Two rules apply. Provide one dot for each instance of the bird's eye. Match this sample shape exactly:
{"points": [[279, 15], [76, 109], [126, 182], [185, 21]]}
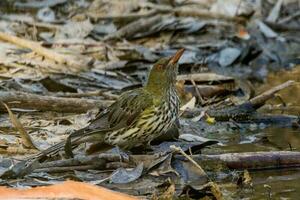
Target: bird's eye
{"points": [[159, 67]]}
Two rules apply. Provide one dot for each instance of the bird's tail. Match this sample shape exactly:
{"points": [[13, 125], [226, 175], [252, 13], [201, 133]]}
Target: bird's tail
{"points": [[83, 135], [73, 140]]}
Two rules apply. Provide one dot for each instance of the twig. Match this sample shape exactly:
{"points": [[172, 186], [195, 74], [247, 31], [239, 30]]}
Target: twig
{"points": [[179, 150]]}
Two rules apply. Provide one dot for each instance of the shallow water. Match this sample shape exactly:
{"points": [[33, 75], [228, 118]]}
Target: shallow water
{"points": [[284, 183], [277, 184], [268, 184]]}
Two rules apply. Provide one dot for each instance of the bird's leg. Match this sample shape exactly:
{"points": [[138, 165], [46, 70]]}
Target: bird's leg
{"points": [[123, 155], [148, 146]]}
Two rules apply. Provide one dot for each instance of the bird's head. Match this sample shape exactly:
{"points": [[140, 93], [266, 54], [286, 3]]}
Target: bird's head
{"points": [[163, 73]]}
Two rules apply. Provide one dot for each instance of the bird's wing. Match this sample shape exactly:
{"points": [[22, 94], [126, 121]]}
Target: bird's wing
{"points": [[129, 106], [122, 112]]}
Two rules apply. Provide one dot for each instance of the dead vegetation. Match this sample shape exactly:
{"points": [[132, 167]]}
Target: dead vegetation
{"points": [[63, 61]]}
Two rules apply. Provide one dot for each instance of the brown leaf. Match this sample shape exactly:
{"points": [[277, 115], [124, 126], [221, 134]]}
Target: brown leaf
{"points": [[65, 190], [26, 140]]}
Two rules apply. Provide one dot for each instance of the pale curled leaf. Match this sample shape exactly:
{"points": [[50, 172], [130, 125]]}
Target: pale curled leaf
{"points": [[189, 105], [26, 140]]}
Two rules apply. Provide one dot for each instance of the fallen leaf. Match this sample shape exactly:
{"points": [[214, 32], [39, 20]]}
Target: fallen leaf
{"points": [[26, 140], [66, 190], [122, 175], [199, 117]]}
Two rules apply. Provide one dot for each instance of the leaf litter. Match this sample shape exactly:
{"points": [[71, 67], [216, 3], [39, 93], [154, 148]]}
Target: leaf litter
{"points": [[84, 54]]}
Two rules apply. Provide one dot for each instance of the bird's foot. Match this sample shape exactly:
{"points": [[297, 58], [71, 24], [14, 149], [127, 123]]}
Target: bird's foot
{"points": [[148, 147], [124, 156]]}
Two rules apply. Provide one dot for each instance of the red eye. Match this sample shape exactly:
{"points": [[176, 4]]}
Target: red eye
{"points": [[159, 67]]}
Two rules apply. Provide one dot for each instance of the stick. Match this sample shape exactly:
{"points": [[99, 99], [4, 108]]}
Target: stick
{"points": [[202, 102], [50, 54], [260, 100], [239, 161], [47, 103], [254, 160], [248, 160]]}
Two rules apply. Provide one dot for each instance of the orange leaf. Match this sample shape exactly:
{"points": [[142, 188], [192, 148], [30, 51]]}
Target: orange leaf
{"points": [[66, 190]]}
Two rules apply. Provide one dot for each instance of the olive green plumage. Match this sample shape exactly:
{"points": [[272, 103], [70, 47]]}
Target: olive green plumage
{"points": [[138, 116]]}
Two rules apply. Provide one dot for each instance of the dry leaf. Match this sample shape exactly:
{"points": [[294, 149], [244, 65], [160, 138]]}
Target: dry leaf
{"points": [[247, 178], [26, 140], [65, 190]]}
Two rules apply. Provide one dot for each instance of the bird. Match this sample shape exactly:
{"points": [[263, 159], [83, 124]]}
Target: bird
{"points": [[137, 117]]}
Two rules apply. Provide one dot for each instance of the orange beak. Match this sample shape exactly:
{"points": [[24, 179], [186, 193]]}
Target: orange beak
{"points": [[176, 57]]}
